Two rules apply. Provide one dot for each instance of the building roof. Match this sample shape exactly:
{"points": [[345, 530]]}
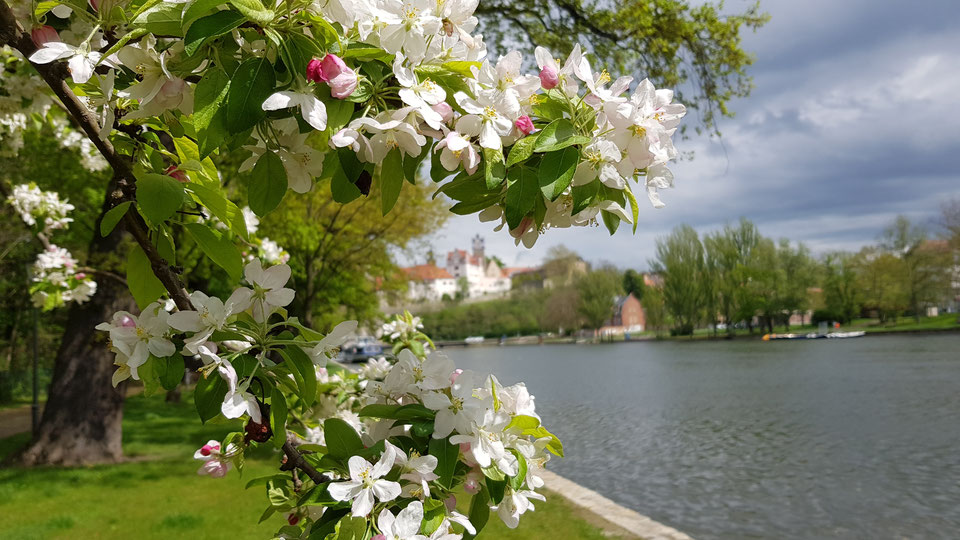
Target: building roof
{"points": [[426, 272], [462, 254], [510, 271]]}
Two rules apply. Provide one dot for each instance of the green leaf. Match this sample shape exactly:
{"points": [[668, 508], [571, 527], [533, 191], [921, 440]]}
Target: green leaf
{"points": [[462, 68], [479, 512], [413, 411], [584, 195], [497, 488], [208, 113], [304, 374], [447, 455], [216, 201], [251, 84], [218, 247], [170, 370], [208, 396], [494, 171], [521, 195], [342, 439], [162, 19], [267, 184], [341, 188], [199, 8], [522, 150], [523, 422], [351, 528], [516, 481], [158, 196], [558, 134], [465, 208], [208, 27], [634, 207], [411, 164], [437, 172], [254, 11], [143, 284], [610, 220], [278, 414], [556, 171], [112, 217], [391, 180], [149, 376]]}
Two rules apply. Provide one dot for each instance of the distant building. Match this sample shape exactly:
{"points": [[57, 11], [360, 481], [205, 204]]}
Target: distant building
{"points": [[429, 282], [628, 316], [482, 276]]}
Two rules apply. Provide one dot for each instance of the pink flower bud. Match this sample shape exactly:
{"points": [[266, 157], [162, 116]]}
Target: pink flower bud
{"points": [[549, 78], [465, 448], [330, 67], [43, 34], [293, 519], [127, 322], [451, 503], [444, 110], [343, 85], [95, 4], [379, 537], [175, 173], [313, 70], [206, 450], [524, 124], [453, 376], [81, 275], [471, 484]]}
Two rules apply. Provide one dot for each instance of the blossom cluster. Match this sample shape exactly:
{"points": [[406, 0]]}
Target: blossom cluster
{"points": [[55, 280], [36, 206], [392, 83], [397, 441]]}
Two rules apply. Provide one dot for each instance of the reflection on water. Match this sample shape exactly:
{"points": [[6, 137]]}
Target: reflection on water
{"points": [[855, 438]]}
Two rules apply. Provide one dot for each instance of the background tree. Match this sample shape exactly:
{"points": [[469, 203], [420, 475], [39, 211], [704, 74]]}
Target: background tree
{"points": [[841, 291], [696, 49], [561, 266], [679, 260], [560, 311], [654, 310], [925, 264], [342, 255], [596, 291], [728, 253], [633, 283]]}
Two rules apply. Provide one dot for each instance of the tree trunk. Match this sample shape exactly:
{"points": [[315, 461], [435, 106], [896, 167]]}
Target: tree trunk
{"points": [[81, 422]]}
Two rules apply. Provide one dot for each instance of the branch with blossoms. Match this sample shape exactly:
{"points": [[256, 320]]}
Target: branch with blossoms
{"points": [[55, 277]]}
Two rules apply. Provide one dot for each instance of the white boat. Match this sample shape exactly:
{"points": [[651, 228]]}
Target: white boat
{"points": [[474, 340], [858, 333]]}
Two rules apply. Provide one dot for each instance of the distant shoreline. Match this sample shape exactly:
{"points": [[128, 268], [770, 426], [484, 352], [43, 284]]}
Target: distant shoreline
{"points": [[527, 341]]}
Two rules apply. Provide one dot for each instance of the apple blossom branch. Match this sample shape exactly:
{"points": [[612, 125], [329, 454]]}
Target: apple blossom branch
{"points": [[55, 75]]}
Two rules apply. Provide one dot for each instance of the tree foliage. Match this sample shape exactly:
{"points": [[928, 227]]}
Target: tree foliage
{"points": [[696, 49]]}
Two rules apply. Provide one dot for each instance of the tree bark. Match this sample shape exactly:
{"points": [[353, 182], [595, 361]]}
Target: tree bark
{"points": [[81, 422]]}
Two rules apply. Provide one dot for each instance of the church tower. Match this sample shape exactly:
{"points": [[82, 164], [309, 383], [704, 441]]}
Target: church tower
{"points": [[478, 249]]}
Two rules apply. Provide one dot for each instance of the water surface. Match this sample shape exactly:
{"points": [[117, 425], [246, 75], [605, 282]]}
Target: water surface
{"points": [[856, 438]]}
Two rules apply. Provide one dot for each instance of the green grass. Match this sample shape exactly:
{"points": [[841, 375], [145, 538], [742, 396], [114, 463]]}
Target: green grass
{"points": [[158, 495]]}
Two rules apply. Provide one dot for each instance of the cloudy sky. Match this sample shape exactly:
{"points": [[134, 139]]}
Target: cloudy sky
{"points": [[855, 118]]}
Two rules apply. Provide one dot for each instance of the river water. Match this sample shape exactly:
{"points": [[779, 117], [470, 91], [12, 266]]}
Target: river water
{"points": [[855, 438]]}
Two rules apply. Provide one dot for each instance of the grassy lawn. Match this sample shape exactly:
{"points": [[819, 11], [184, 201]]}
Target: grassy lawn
{"points": [[159, 495]]}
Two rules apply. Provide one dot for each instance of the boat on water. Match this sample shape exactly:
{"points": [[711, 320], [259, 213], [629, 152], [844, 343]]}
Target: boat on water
{"points": [[815, 335], [360, 349], [474, 340]]}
